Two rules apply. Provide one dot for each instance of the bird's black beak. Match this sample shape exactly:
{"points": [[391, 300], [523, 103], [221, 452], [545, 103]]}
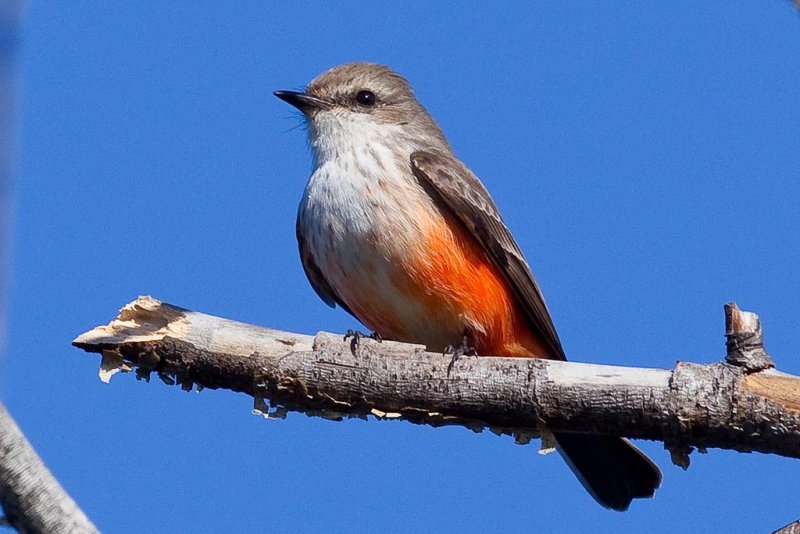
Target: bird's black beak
{"points": [[302, 101]]}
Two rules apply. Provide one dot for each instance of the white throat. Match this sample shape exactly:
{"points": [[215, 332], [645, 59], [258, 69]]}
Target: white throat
{"points": [[335, 134]]}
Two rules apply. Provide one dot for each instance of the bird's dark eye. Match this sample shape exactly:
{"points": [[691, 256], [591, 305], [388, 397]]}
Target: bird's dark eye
{"points": [[366, 98]]}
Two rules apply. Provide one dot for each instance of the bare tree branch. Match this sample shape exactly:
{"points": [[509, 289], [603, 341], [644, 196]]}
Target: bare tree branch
{"points": [[32, 498], [741, 404], [791, 528]]}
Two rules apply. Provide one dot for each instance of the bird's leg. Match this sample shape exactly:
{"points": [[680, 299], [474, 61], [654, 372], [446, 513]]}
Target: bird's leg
{"points": [[464, 349], [357, 335]]}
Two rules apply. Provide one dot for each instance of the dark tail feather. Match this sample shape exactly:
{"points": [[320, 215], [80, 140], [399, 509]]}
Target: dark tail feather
{"points": [[612, 470]]}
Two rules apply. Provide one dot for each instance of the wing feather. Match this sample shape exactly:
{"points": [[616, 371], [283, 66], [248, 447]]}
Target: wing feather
{"points": [[452, 184]]}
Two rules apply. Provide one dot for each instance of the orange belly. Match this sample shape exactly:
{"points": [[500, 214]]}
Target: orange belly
{"points": [[450, 279]]}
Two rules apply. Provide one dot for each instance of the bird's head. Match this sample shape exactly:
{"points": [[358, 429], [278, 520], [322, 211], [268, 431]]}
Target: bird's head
{"points": [[359, 103]]}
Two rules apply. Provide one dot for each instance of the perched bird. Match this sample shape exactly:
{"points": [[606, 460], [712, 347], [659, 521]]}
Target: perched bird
{"points": [[396, 230]]}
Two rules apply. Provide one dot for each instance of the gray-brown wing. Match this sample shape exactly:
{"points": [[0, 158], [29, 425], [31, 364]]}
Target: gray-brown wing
{"points": [[315, 276], [452, 184]]}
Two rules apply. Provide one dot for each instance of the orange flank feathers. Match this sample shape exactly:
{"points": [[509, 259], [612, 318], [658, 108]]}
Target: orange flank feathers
{"points": [[452, 268], [459, 289]]}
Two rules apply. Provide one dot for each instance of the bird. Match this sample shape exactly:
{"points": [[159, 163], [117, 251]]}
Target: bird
{"points": [[396, 230]]}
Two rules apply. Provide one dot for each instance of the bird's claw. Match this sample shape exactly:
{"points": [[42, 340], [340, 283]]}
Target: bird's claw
{"points": [[465, 349], [355, 337]]}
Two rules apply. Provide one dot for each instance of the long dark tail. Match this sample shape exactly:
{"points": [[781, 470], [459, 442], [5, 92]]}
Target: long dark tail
{"points": [[611, 469]]}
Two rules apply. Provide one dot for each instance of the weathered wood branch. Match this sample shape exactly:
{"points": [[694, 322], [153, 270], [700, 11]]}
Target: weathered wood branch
{"points": [[791, 528], [741, 404], [33, 500]]}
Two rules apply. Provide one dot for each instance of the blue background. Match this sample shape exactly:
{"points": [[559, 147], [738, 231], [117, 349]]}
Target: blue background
{"points": [[645, 155]]}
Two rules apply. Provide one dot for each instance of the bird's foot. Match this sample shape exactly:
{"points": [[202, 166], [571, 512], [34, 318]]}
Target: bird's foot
{"points": [[464, 349], [355, 337]]}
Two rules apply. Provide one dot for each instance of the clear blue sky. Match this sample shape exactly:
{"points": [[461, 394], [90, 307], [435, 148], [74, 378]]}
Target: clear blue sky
{"points": [[645, 155]]}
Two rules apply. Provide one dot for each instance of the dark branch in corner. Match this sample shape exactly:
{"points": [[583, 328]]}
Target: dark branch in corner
{"points": [[32, 498]]}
